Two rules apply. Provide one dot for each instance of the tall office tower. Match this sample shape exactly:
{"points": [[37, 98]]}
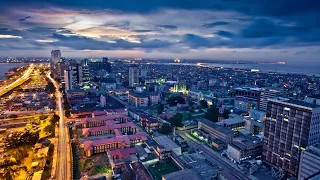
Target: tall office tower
{"points": [[55, 58], [106, 64], [77, 75], [133, 76], [310, 162], [68, 78], [290, 127], [264, 96], [85, 71]]}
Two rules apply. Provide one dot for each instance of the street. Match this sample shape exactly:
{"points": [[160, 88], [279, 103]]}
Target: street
{"points": [[63, 157], [17, 82], [211, 155]]}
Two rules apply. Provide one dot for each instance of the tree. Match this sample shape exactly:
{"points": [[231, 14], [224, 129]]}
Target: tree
{"points": [[204, 103], [191, 103], [54, 119], [212, 114], [160, 108], [165, 129], [174, 100], [226, 114], [10, 169], [176, 120], [43, 117], [50, 87]]}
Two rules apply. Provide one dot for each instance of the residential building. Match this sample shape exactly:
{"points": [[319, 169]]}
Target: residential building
{"points": [[242, 103], [290, 127], [138, 99], [310, 162], [133, 76], [215, 131]]}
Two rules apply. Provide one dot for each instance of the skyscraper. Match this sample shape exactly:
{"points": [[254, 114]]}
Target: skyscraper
{"points": [[133, 76], [290, 127], [55, 58], [68, 79]]}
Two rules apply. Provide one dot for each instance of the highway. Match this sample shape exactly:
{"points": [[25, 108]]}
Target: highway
{"points": [[212, 156], [17, 82], [63, 157]]}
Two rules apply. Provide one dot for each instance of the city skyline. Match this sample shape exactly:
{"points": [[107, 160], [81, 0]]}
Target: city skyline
{"points": [[221, 30]]}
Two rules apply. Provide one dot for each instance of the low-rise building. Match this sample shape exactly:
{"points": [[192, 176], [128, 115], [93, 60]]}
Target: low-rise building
{"points": [[168, 145], [138, 99], [215, 131], [245, 147]]}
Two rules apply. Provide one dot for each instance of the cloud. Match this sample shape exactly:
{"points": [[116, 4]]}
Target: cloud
{"points": [[214, 24], [224, 33], [84, 43], [166, 26], [5, 36], [25, 18]]}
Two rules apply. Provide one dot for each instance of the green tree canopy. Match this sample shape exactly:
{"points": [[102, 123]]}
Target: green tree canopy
{"points": [[176, 120], [174, 100], [165, 129], [212, 114], [204, 103]]}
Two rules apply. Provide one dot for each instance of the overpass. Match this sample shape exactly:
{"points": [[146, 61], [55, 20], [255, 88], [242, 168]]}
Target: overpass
{"points": [[17, 82]]}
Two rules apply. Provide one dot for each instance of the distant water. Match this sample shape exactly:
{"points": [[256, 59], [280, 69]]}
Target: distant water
{"points": [[307, 68], [4, 67]]}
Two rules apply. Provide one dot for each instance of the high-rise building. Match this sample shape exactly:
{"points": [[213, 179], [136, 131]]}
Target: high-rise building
{"points": [[101, 65], [290, 127], [68, 80], [133, 76], [310, 162], [143, 73], [264, 96], [55, 58], [85, 71]]}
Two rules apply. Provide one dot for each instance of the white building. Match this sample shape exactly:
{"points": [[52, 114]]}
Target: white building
{"points": [[68, 80]]}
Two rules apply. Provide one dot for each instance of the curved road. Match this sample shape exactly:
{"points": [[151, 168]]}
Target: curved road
{"points": [[17, 82]]}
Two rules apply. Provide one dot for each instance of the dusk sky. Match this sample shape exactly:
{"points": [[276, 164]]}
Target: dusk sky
{"points": [[282, 30]]}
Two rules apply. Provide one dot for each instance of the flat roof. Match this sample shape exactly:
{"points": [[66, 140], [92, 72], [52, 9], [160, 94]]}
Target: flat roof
{"points": [[295, 102], [181, 175], [166, 142], [200, 165], [233, 120], [215, 126]]}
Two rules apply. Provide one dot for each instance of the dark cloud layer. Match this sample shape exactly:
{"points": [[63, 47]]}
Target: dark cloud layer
{"points": [[254, 24]]}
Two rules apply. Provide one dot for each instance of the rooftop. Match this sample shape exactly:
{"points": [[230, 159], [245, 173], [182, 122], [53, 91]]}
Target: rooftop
{"points": [[295, 102], [181, 175], [167, 143], [215, 126]]}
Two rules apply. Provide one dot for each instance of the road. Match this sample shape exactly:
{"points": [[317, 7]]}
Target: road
{"points": [[211, 155], [17, 82], [63, 157]]}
